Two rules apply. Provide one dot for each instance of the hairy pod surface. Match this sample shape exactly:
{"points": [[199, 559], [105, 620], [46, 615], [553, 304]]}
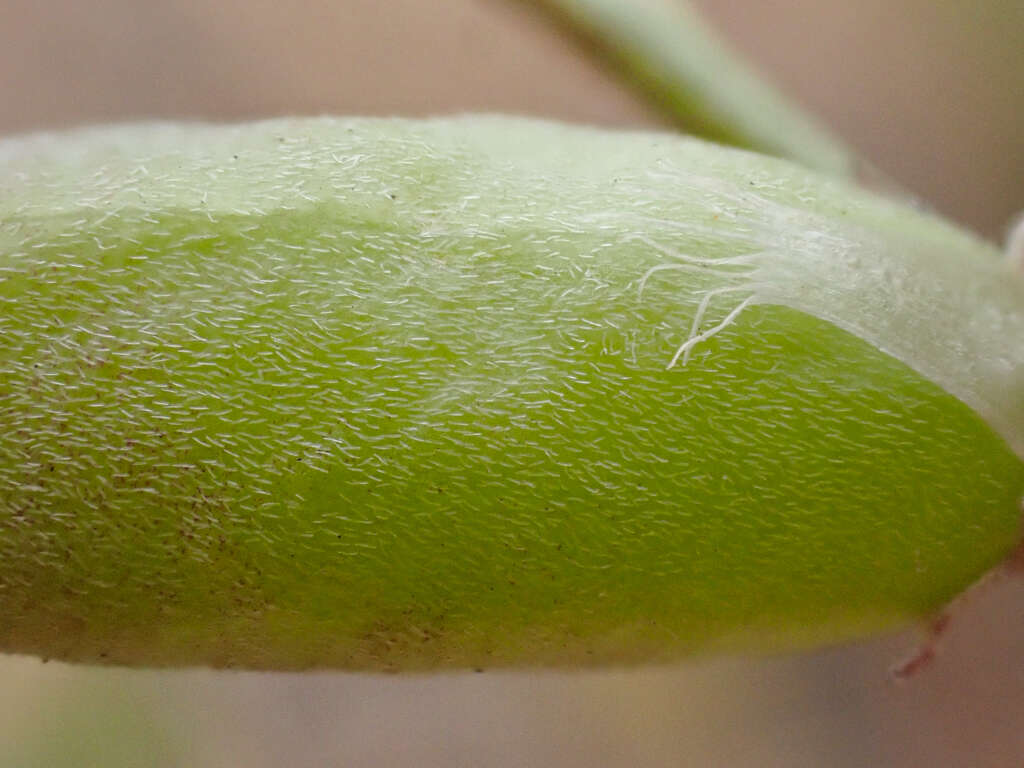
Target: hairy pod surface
{"points": [[382, 394]]}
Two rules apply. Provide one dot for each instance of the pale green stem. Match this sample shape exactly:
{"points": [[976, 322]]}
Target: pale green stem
{"points": [[698, 82]]}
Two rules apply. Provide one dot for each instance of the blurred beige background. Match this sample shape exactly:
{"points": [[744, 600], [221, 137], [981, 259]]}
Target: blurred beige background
{"points": [[931, 90]]}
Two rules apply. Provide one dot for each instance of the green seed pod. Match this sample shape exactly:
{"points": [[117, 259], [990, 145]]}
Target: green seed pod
{"points": [[381, 394]]}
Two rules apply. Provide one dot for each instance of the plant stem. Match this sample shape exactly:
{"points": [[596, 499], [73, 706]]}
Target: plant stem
{"points": [[694, 79]]}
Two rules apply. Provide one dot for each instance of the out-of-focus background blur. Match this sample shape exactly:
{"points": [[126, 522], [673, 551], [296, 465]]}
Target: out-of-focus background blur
{"points": [[932, 91]]}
